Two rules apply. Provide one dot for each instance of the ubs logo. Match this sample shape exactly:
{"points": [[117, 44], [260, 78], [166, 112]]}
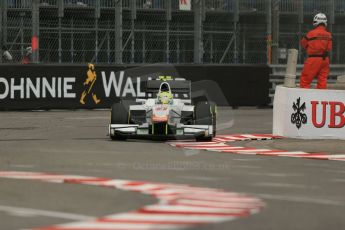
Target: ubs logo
{"points": [[88, 86], [299, 117]]}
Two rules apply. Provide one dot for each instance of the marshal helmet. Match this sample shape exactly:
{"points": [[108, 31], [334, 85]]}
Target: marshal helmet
{"points": [[319, 19]]}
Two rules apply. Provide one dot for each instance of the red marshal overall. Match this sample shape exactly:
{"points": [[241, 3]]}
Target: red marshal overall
{"points": [[318, 44]]}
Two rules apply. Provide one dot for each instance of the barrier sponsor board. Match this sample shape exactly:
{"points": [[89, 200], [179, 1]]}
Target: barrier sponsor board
{"points": [[309, 113], [99, 86]]}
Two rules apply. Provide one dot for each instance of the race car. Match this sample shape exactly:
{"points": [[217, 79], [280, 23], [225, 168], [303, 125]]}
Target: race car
{"points": [[167, 113]]}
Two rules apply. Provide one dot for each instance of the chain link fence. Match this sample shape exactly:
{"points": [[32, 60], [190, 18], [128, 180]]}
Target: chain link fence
{"points": [[79, 31]]}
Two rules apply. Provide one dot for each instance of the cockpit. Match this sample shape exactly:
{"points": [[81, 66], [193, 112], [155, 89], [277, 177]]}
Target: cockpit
{"points": [[165, 95]]}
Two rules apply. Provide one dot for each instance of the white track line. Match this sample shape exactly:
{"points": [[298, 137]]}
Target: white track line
{"points": [[37, 212]]}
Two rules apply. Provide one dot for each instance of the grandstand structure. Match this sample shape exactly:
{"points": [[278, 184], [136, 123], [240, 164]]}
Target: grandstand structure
{"points": [[157, 31]]}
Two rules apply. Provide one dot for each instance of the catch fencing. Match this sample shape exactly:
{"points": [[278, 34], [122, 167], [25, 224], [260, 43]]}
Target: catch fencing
{"points": [[157, 31]]}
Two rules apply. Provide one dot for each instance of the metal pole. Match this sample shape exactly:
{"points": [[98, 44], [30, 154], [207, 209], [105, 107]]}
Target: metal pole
{"points": [[132, 41], [236, 20], [96, 40], [97, 16], [331, 11], [60, 41], [198, 28], [269, 31], [168, 42], [72, 41], [331, 20], [133, 18], [168, 18], [22, 14], [235, 43], [4, 26], [35, 30], [178, 45], [108, 46], [275, 31], [338, 48], [144, 47], [300, 23], [118, 32], [244, 47], [211, 49], [60, 15], [1, 29], [4, 21]]}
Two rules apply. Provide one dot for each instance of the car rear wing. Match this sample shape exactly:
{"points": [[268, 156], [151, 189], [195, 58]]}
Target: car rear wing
{"points": [[181, 89]]}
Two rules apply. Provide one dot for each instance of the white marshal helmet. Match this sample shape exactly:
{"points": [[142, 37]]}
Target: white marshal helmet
{"points": [[320, 18]]}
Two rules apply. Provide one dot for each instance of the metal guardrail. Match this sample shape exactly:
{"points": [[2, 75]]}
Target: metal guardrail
{"points": [[278, 74]]}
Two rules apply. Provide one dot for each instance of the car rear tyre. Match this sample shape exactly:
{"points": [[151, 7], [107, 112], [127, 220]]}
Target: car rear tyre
{"points": [[205, 115], [119, 115]]}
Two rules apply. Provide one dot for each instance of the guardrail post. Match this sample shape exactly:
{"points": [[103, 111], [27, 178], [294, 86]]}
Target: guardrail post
{"points": [[290, 75], [269, 30], [118, 31], [236, 30], [133, 18], [35, 30], [97, 16], [168, 19], [331, 19], [60, 16], [198, 29], [275, 30], [300, 24]]}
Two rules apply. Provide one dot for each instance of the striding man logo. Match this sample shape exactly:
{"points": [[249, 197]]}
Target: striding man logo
{"points": [[88, 85]]}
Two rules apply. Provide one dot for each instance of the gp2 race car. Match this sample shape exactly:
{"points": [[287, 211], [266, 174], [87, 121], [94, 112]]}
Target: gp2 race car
{"points": [[164, 116]]}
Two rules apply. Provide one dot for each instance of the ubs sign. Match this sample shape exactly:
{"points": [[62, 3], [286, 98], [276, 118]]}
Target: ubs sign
{"points": [[328, 113], [323, 114], [309, 114]]}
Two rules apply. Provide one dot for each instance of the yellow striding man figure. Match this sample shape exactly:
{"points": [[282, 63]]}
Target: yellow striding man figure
{"points": [[89, 82]]}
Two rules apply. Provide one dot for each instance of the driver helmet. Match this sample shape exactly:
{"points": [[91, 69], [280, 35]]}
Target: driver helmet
{"points": [[165, 96]]}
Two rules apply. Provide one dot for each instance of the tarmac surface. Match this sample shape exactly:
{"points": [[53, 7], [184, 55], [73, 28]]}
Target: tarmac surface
{"points": [[298, 193]]}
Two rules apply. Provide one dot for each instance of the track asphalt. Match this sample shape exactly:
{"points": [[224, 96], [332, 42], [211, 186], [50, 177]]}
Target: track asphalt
{"points": [[298, 193]]}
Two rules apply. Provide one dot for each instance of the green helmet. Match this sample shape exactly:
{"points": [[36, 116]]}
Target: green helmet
{"points": [[165, 97]]}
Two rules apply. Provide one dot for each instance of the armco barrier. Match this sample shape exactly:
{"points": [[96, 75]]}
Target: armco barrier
{"points": [[73, 86]]}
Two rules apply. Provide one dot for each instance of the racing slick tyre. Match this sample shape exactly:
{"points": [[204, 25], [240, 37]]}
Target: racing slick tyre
{"points": [[214, 117], [204, 113], [119, 115]]}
